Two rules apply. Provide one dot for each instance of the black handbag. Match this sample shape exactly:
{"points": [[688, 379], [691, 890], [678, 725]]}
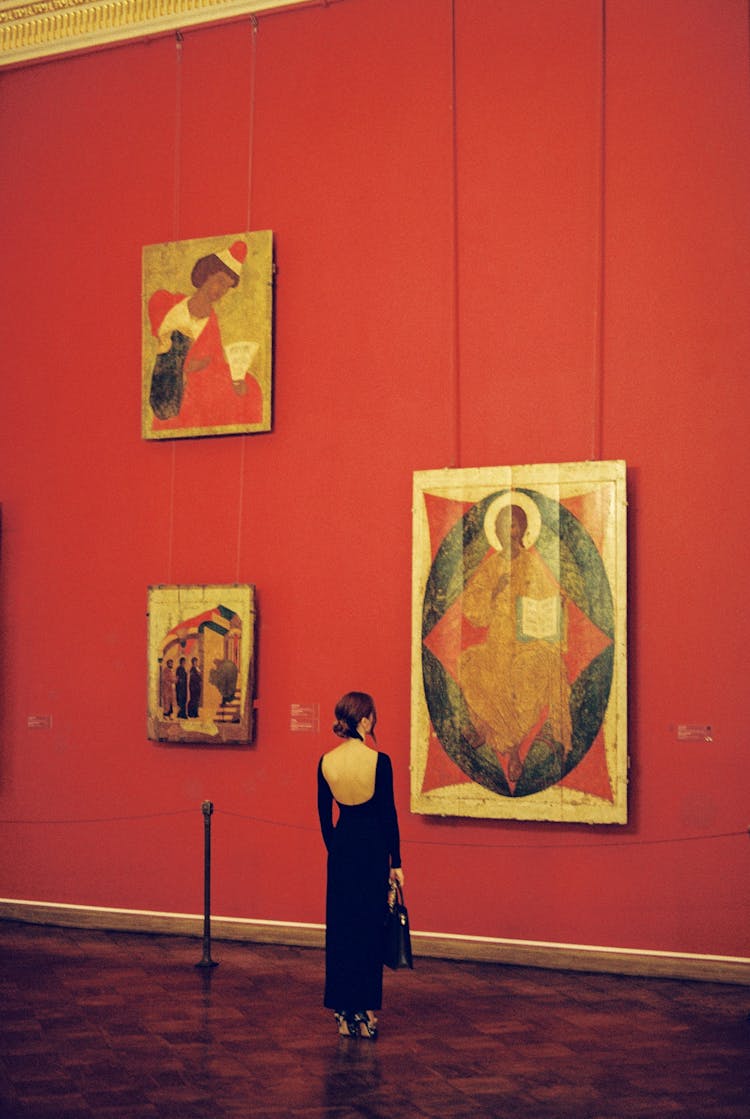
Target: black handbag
{"points": [[397, 938]]}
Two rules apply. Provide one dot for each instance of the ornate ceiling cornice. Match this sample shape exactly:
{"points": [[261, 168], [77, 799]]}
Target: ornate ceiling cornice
{"points": [[34, 29]]}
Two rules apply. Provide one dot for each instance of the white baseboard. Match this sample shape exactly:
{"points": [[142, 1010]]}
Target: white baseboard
{"points": [[562, 957]]}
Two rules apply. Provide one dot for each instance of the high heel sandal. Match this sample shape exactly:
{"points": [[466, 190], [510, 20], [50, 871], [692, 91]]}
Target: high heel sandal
{"points": [[366, 1026], [345, 1024]]}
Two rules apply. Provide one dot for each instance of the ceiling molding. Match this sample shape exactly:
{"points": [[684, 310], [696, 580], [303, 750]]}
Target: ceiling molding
{"points": [[37, 29]]}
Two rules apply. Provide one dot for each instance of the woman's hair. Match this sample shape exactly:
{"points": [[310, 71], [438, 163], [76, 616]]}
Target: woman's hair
{"points": [[206, 267], [349, 710]]}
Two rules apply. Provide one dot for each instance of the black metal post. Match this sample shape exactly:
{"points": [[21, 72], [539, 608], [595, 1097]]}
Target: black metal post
{"points": [[207, 808]]}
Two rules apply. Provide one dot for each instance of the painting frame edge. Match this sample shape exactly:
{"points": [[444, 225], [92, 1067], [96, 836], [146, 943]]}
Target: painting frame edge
{"points": [[466, 798], [260, 241], [238, 599]]}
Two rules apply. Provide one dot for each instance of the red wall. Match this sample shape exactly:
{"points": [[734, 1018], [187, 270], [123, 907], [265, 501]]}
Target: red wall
{"points": [[558, 273]]}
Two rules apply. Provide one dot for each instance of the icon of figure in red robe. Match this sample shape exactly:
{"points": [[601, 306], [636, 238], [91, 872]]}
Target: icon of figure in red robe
{"points": [[194, 383]]}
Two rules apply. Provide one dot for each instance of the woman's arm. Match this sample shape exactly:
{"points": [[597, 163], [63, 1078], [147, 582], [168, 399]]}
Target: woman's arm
{"points": [[388, 816], [325, 807]]}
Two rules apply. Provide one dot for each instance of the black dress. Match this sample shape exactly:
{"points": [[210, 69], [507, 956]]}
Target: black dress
{"points": [[362, 847]]}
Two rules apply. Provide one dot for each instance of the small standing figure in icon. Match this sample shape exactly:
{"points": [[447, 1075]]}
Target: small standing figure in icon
{"points": [[195, 689], [181, 689], [167, 689]]}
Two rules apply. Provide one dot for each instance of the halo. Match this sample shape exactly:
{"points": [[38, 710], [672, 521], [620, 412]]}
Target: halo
{"points": [[530, 508]]}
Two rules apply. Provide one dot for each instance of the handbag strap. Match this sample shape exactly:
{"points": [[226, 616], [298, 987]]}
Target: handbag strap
{"points": [[395, 895]]}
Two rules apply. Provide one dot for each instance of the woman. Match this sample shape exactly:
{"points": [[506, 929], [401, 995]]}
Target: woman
{"points": [[363, 855], [191, 383]]}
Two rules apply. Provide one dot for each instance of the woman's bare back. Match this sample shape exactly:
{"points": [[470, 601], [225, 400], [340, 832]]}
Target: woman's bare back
{"points": [[349, 770]]}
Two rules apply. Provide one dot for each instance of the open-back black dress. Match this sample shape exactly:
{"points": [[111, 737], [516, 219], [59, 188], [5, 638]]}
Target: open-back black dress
{"points": [[362, 846]]}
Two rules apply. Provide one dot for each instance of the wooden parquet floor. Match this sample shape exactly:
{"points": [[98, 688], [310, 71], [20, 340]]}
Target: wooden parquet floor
{"points": [[125, 1026]]}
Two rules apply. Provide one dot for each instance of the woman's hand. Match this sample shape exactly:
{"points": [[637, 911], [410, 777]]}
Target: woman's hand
{"points": [[397, 875]]}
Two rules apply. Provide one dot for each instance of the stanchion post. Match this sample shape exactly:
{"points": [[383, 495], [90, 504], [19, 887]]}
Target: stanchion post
{"points": [[207, 809]]}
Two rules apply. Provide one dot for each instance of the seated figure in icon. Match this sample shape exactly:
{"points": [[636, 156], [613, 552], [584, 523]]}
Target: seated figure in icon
{"points": [[514, 681]]}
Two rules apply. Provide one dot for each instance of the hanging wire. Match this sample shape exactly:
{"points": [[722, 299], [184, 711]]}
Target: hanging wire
{"points": [[170, 529], [289, 825], [599, 248], [579, 846], [177, 136], [251, 136], [175, 236], [107, 819], [240, 505], [250, 159], [454, 393], [508, 846]]}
